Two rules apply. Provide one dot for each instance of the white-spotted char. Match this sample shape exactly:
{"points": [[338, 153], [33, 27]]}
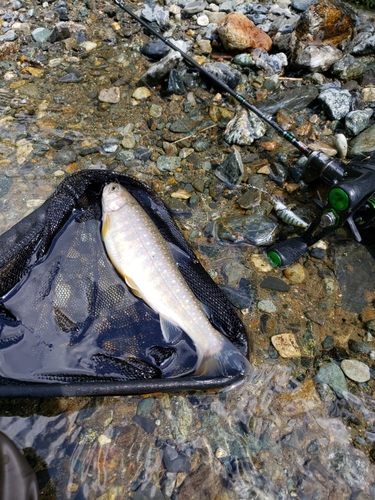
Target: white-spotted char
{"points": [[145, 260]]}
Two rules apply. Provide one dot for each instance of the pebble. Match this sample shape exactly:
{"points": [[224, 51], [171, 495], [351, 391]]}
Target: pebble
{"points": [[141, 93], [273, 283], [359, 347], [175, 461], [168, 163], [267, 306], [128, 141], [155, 50], [328, 342], [332, 375], [111, 95], [295, 273], [5, 184], [203, 20], [89, 46], [41, 35], [356, 370], [286, 345], [261, 263]]}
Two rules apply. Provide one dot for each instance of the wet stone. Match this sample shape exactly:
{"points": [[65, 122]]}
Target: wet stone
{"points": [[294, 99], [231, 170], [359, 347], [70, 78], [175, 461], [286, 345], [337, 103], [250, 199], [332, 375], [244, 128], [175, 83], [267, 306], [65, 156], [5, 184], [111, 95], [147, 492], [224, 73], [328, 342], [161, 69], [356, 370], [59, 33], [147, 424], [168, 163], [41, 35], [155, 50], [273, 283], [254, 229], [364, 142]]}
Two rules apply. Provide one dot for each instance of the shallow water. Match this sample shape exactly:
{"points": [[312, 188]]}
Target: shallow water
{"points": [[277, 435]]}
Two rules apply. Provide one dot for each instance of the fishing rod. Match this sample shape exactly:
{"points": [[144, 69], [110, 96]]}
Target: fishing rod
{"points": [[351, 198]]}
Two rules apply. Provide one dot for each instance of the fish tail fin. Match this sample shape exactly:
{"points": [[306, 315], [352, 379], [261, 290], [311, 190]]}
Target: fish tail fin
{"points": [[228, 362]]}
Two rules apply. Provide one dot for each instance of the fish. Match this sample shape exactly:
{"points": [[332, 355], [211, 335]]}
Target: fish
{"points": [[147, 263]]}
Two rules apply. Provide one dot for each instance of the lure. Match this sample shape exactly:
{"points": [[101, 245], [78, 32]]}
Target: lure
{"points": [[286, 215], [283, 212]]}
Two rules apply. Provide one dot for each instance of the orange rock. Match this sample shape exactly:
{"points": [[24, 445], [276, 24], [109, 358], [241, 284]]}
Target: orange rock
{"points": [[269, 145], [326, 22], [238, 33]]}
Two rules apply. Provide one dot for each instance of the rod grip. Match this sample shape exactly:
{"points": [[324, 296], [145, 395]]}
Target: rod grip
{"points": [[286, 252]]}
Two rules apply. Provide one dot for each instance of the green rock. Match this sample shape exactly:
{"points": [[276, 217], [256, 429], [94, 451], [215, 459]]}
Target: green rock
{"points": [[333, 376]]}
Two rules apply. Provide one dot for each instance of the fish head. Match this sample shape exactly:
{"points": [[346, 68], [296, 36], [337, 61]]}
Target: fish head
{"points": [[115, 197]]}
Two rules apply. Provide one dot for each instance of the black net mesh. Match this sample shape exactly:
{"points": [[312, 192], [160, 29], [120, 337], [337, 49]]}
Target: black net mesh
{"points": [[65, 314]]}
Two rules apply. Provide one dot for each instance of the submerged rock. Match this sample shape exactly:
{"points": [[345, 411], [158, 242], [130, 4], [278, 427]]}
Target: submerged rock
{"points": [[252, 229], [238, 33], [231, 170], [244, 128], [332, 375], [294, 99], [356, 370], [286, 345]]}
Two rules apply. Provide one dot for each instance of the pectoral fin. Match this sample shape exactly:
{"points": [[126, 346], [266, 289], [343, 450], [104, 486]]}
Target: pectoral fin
{"points": [[133, 287], [171, 332], [105, 226]]}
